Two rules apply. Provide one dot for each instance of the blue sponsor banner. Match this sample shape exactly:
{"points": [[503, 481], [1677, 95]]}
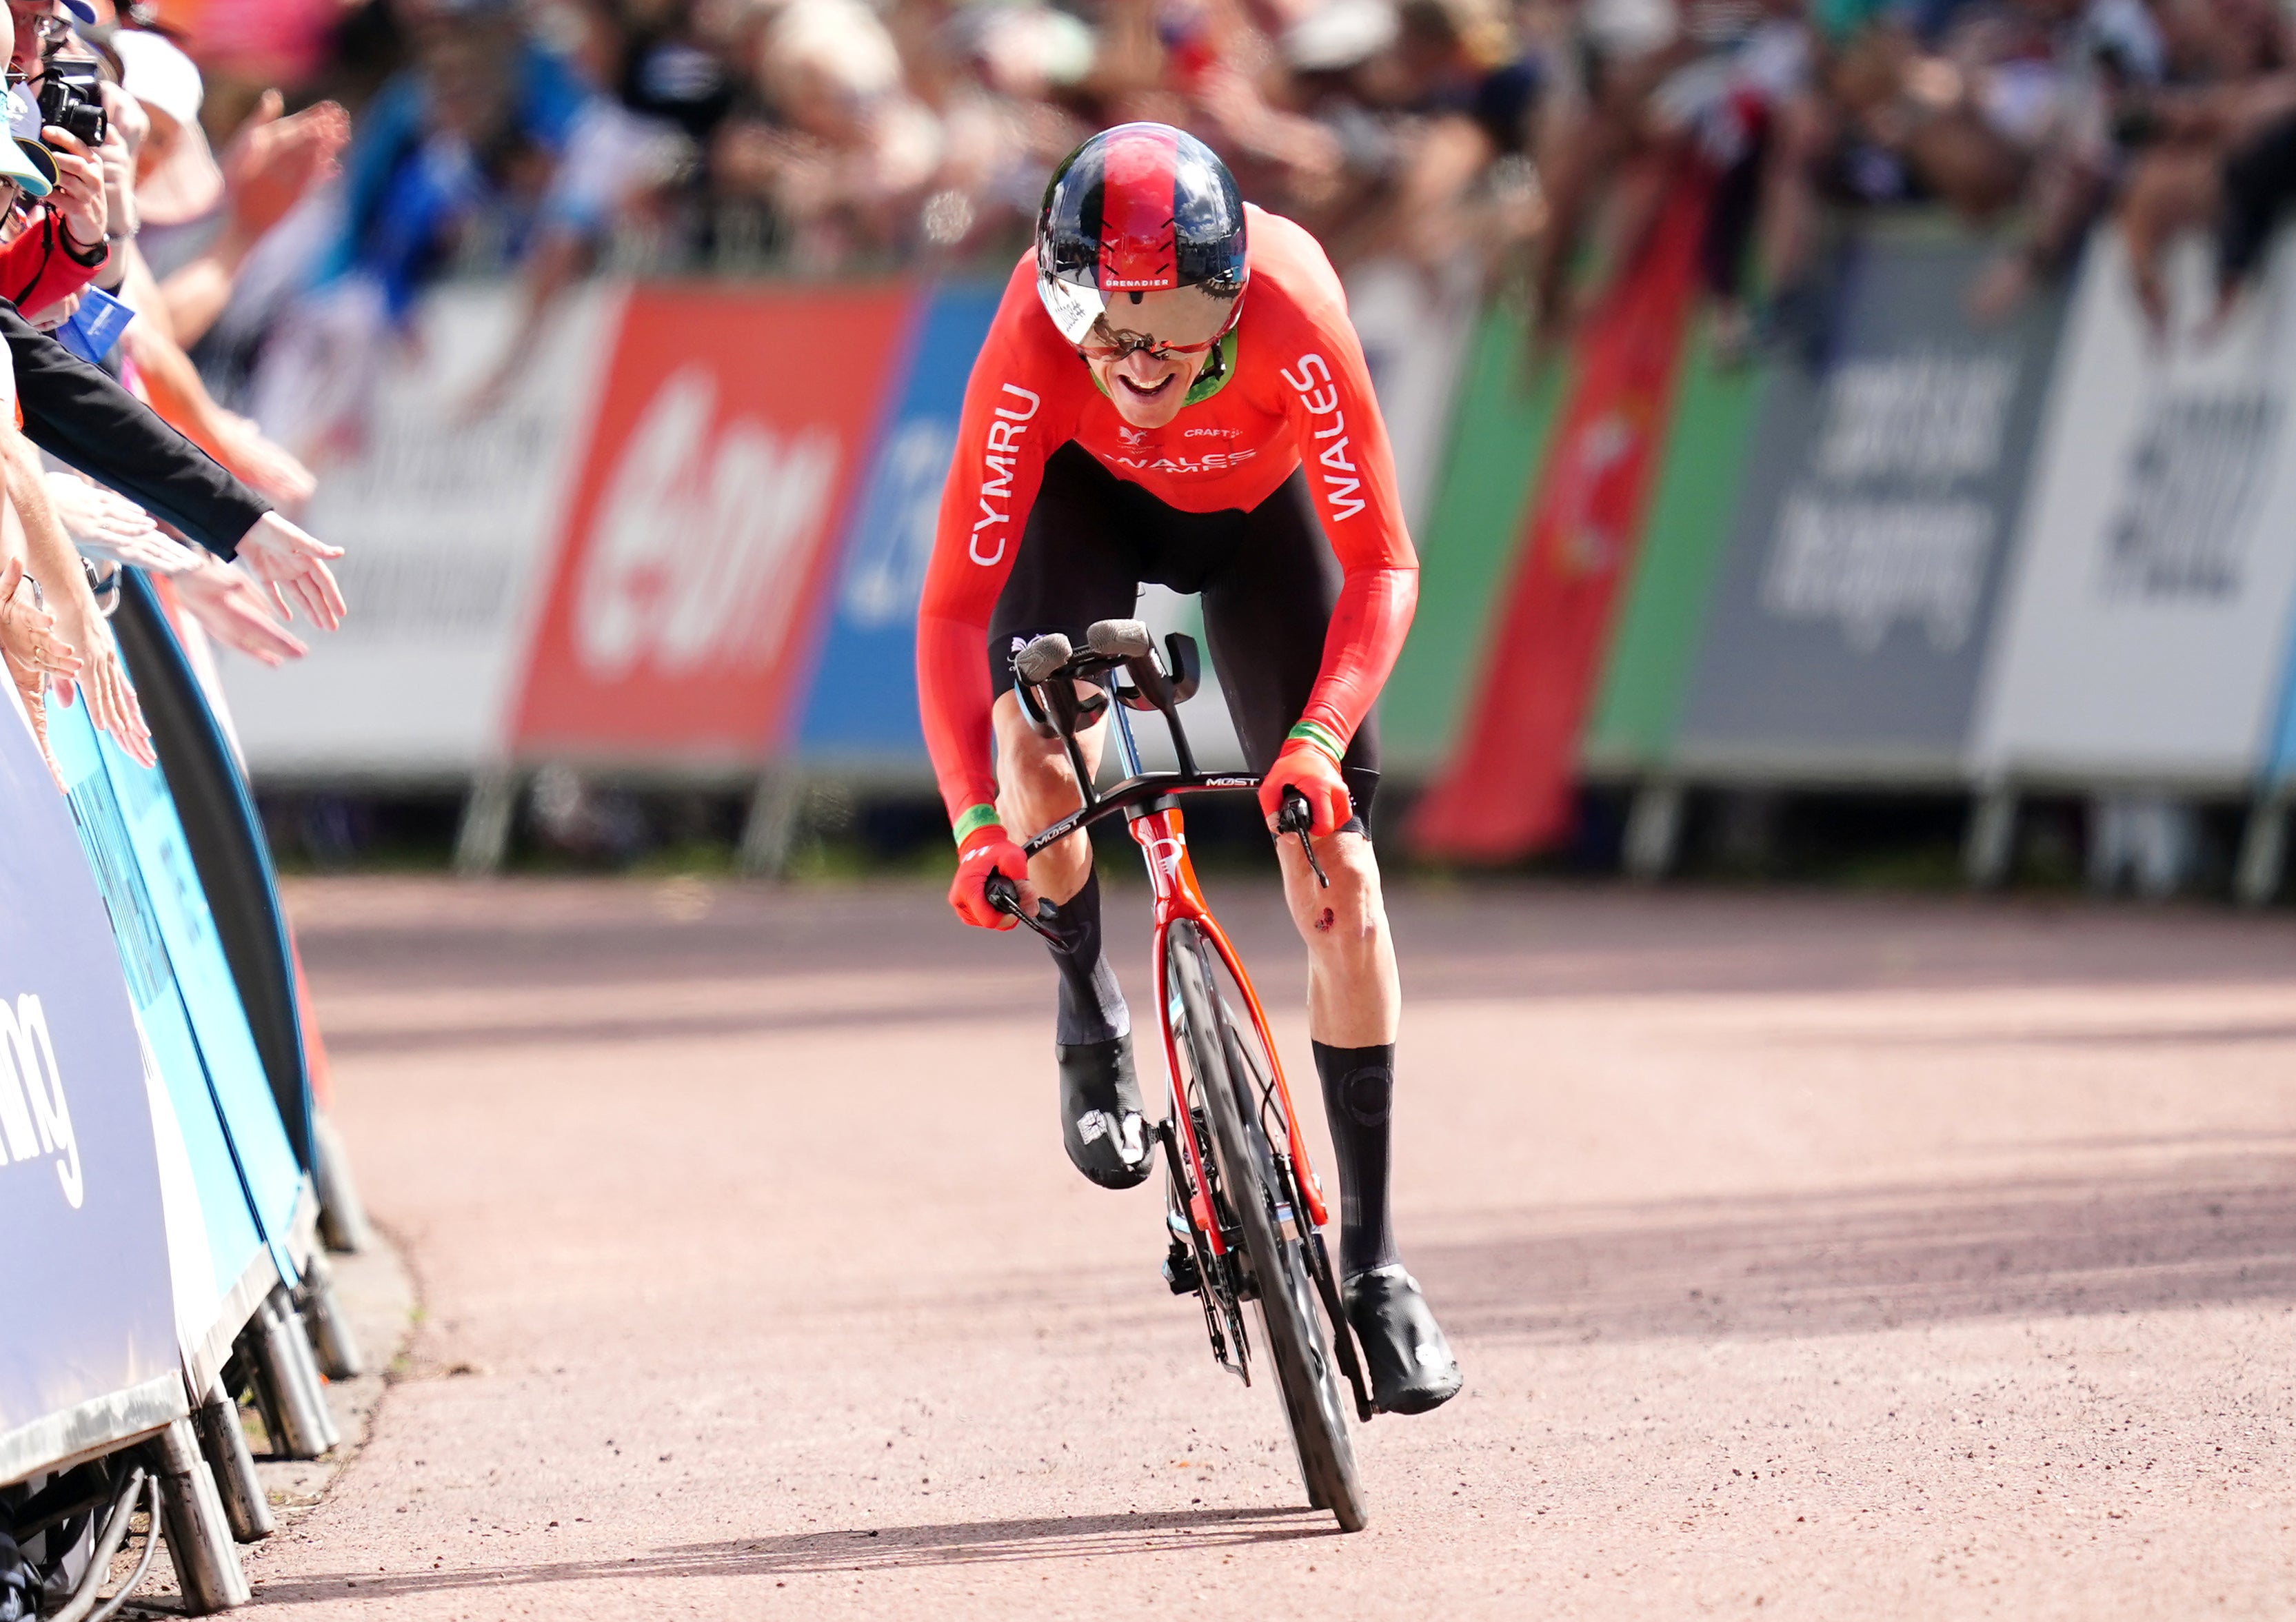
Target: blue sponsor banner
{"points": [[89, 1353], [862, 711], [232, 1240], [185, 993]]}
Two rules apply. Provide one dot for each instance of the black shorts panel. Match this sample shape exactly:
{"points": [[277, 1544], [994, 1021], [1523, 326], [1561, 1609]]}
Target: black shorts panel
{"points": [[1267, 579]]}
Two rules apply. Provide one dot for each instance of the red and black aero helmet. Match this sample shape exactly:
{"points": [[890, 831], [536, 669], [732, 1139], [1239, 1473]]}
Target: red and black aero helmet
{"points": [[1136, 209]]}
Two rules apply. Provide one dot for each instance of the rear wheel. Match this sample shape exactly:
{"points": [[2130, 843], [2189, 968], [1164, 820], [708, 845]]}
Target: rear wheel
{"points": [[1259, 1194]]}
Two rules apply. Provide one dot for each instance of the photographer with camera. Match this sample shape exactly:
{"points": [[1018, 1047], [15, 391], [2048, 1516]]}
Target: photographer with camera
{"points": [[63, 245]]}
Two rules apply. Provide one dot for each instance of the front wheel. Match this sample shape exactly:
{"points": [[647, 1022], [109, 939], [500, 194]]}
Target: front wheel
{"points": [[1257, 1192]]}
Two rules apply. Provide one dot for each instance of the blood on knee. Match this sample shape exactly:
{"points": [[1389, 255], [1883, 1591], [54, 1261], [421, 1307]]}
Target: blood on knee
{"points": [[1324, 921]]}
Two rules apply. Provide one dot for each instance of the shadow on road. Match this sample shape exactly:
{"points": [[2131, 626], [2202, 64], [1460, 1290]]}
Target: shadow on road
{"points": [[865, 1550], [2209, 1231]]}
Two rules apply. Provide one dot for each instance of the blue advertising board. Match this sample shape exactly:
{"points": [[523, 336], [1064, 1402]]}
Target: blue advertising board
{"points": [[188, 1001], [213, 1216], [861, 712], [227, 848], [89, 1355]]}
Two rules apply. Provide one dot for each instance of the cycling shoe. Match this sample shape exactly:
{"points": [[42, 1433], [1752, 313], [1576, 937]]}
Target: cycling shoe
{"points": [[1100, 1113], [1411, 1366]]}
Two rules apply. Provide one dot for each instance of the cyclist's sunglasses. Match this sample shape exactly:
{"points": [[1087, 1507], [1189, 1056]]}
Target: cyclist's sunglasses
{"points": [[1117, 345], [1106, 342]]}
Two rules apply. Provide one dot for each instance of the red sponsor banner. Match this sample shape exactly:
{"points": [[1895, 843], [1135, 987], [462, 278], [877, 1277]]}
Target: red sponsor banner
{"points": [[1506, 791], [731, 432]]}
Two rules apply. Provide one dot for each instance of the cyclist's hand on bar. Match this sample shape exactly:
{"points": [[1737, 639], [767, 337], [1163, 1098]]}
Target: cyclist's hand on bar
{"points": [[987, 851], [1307, 767]]}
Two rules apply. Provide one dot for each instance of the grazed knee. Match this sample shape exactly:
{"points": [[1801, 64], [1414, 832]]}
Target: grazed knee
{"points": [[1347, 917]]}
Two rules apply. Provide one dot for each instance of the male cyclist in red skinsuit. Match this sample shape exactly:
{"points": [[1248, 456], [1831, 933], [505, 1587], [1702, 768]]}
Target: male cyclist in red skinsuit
{"points": [[1156, 403]]}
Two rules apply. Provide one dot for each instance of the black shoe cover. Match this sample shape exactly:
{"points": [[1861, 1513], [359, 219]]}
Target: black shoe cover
{"points": [[1100, 1113], [1412, 1369]]}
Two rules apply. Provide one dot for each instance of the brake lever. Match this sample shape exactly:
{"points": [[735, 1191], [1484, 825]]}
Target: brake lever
{"points": [[1005, 896], [1296, 817]]}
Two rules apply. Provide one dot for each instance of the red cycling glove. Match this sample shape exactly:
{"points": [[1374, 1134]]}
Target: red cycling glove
{"points": [[1308, 768], [987, 850]]}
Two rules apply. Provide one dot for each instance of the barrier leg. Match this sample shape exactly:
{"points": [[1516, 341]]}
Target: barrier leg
{"points": [[776, 804], [199, 1535], [1990, 845], [223, 1442], [283, 1365], [1653, 830], [243, 1378], [343, 1224], [331, 1328], [2263, 851], [484, 837]]}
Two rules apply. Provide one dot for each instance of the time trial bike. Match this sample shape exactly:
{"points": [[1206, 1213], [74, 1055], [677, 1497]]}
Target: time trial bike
{"points": [[1244, 1210]]}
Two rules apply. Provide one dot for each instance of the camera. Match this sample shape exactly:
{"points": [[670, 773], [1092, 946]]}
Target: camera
{"points": [[71, 99]]}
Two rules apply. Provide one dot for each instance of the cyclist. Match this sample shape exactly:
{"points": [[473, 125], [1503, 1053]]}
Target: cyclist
{"points": [[1172, 392]]}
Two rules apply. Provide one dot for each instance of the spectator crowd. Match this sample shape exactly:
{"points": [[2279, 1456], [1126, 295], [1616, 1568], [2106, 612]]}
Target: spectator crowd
{"points": [[1535, 139], [112, 450], [263, 189]]}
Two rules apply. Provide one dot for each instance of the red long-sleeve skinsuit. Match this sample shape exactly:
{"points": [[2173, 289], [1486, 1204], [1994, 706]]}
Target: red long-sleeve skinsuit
{"points": [[1300, 393]]}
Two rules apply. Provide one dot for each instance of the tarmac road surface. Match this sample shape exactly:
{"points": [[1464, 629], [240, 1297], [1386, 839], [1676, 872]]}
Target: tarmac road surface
{"points": [[1807, 1257]]}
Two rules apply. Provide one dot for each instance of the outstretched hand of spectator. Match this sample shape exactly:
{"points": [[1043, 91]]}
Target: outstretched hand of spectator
{"points": [[32, 651], [273, 160], [267, 465], [102, 676], [96, 517], [231, 607], [28, 631], [293, 563]]}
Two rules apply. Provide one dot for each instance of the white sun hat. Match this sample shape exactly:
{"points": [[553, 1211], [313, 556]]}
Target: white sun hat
{"points": [[157, 74], [31, 172]]}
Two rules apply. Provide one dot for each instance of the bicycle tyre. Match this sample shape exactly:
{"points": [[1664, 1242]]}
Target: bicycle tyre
{"points": [[1289, 1321]]}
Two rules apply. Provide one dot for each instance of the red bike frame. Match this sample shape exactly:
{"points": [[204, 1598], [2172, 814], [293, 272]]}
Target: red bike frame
{"points": [[1161, 835]]}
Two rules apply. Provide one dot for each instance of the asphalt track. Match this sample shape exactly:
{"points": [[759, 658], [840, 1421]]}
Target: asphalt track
{"points": [[1807, 1257]]}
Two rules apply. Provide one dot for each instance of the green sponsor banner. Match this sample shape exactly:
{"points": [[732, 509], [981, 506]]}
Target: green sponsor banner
{"points": [[1499, 428], [1656, 636]]}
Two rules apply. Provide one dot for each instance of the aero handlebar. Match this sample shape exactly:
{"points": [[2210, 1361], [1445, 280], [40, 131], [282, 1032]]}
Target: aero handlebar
{"points": [[1121, 655]]}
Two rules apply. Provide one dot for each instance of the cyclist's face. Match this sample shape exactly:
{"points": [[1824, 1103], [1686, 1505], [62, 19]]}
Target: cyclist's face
{"points": [[1148, 390], [1149, 383]]}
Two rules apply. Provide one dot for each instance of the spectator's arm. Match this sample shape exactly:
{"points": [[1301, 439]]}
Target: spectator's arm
{"points": [[29, 647], [177, 393], [610, 158], [39, 270], [270, 165], [52, 560], [556, 264], [78, 415]]}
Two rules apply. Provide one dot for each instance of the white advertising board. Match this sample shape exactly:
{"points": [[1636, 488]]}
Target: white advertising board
{"points": [[447, 517], [2148, 611]]}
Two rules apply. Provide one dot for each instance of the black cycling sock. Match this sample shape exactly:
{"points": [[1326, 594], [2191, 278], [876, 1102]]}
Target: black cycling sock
{"points": [[1091, 1007], [1358, 1090]]}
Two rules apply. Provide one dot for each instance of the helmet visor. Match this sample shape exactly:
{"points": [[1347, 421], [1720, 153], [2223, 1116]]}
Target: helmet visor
{"points": [[1176, 321]]}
